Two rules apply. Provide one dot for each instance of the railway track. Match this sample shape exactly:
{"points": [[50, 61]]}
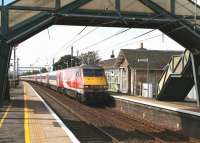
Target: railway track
{"points": [[103, 124], [84, 131]]}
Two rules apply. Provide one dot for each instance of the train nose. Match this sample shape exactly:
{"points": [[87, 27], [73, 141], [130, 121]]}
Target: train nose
{"points": [[94, 81]]}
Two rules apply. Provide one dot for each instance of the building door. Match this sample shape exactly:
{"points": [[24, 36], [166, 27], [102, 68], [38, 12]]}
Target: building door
{"points": [[124, 80]]}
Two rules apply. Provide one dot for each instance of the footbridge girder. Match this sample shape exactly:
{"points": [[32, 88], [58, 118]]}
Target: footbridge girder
{"points": [[21, 19]]}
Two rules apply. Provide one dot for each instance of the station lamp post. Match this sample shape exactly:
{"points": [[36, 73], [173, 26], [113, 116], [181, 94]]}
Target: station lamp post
{"points": [[147, 61]]}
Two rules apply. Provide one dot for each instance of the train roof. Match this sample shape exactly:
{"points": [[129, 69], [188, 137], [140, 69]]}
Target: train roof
{"points": [[81, 66], [91, 66]]}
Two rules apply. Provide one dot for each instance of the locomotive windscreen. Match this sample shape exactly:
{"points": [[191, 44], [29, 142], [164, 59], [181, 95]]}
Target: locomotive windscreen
{"points": [[93, 72]]}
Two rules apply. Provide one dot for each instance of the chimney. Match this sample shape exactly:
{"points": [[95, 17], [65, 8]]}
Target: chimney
{"points": [[112, 55], [141, 46]]}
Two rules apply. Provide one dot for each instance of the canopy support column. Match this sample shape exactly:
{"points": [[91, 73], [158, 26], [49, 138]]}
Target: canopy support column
{"points": [[5, 54], [196, 74]]}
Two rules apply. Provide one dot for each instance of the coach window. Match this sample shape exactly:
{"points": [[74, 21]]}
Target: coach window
{"points": [[78, 74]]}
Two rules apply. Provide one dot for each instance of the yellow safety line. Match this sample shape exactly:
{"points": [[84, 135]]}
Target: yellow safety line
{"points": [[26, 123], [5, 115]]}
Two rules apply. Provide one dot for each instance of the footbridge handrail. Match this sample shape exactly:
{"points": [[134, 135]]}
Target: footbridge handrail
{"points": [[176, 66]]}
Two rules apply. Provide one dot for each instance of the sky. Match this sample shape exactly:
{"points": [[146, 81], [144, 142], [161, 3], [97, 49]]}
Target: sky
{"points": [[6, 2], [55, 42]]}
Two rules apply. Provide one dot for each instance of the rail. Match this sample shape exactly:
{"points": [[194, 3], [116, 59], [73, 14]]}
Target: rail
{"points": [[176, 66]]}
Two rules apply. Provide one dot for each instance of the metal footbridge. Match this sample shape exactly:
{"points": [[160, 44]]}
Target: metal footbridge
{"points": [[179, 77], [21, 19], [177, 80]]}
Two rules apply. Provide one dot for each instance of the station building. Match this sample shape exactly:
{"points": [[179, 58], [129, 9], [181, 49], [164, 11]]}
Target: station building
{"points": [[137, 71]]}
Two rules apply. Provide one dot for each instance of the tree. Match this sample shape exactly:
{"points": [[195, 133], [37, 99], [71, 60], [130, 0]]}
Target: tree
{"points": [[43, 70], [31, 72], [66, 61], [90, 58]]}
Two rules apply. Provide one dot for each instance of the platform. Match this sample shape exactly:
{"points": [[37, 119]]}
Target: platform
{"points": [[183, 107], [177, 116], [27, 118]]}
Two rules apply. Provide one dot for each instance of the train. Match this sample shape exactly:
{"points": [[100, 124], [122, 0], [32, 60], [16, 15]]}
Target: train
{"points": [[85, 83]]}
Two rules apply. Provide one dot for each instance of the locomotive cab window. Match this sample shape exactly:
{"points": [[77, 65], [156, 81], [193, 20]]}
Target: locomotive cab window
{"points": [[93, 72]]}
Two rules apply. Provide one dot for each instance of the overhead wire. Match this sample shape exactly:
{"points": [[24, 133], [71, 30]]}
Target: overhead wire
{"points": [[105, 39], [139, 41], [80, 33], [172, 31], [116, 34], [84, 34], [96, 28], [48, 32], [111, 3], [99, 42], [135, 37], [68, 42]]}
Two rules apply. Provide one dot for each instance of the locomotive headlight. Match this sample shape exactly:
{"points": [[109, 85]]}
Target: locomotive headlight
{"points": [[86, 86], [105, 86], [102, 86]]}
